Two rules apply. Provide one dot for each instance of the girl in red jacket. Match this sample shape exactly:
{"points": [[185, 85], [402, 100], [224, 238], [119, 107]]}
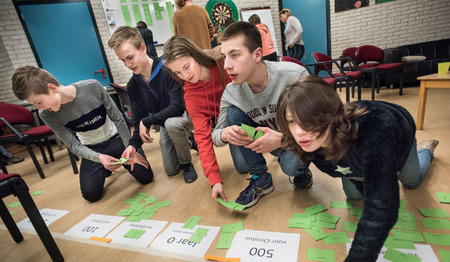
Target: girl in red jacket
{"points": [[204, 81]]}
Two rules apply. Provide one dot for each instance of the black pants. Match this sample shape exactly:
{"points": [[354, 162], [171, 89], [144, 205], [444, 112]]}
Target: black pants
{"points": [[271, 57], [93, 174]]}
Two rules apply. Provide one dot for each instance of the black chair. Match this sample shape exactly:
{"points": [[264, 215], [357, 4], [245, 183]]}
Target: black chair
{"points": [[15, 185]]}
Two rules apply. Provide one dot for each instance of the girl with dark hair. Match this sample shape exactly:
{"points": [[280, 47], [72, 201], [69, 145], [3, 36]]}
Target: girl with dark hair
{"points": [[204, 81], [369, 144]]}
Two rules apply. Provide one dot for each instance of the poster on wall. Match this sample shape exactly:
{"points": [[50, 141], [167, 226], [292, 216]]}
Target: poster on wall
{"points": [[382, 1], [344, 5], [157, 14]]}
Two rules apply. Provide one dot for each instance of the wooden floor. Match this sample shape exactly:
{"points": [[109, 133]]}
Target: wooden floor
{"points": [[272, 213]]}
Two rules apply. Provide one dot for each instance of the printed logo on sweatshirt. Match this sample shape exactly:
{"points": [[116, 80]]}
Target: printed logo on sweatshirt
{"points": [[260, 112], [90, 121]]}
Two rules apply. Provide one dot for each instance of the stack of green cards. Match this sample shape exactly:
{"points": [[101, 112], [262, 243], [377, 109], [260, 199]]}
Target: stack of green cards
{"points": [[251, 131]]}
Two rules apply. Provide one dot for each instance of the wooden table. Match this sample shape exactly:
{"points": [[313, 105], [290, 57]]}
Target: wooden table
{"points": [[429, 81]]}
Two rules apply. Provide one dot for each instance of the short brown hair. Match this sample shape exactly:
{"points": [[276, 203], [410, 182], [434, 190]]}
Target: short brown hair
{"points": [[252, 36], [254, 19], [286, 11], [123, 33], [28, 80], [180, 3]]}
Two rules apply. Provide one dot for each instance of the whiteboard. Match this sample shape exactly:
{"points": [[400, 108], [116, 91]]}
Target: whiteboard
{"points": [[156, 13], [266, 18]]}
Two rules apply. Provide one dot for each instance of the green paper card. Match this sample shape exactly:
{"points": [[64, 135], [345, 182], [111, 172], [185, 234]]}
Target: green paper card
{"points": [[225, 240], [137, 212], [434, 212], [233, 227], [146, 215], [350, 226], [397, 256], [304, 216], [150, 200], [132, 201], [410, 225], [413, 236], [437, 239], [321, 255], [315, 209], [443, 197], [124, 212], [325, 217], [133, 219], [137, 206], [230, 204], [340, 204], [299, 223], [336, 238], [251, 131], [316, 233], [445, 255], [408, 216], [394, 243], [435, 223], [151, 209], [356, 211], [323, 224], [140, 196], [122, 160], [192, 221], [134, 233], [15, 204], [402, 207], [37, 193], [198, 235], [163, 203]]}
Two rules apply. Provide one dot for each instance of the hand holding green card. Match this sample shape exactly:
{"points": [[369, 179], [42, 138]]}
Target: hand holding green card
{"points": [[122, 160], [251, 131]]}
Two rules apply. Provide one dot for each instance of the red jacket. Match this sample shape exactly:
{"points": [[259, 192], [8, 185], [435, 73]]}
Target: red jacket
{"points": [[203, 102]]}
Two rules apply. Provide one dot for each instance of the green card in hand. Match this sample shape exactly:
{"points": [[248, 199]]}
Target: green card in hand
{"points": [[251, 131], [122, 160]]}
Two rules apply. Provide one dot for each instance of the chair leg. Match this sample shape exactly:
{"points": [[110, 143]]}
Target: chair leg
{"points": [[400, 91], [73, 161], [49, 148], [41, 147], [20, 190], [35, 161], [373, 86], [347, 91], [9, 223]]}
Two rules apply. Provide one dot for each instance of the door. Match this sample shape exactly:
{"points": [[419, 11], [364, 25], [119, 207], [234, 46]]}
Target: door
{"points": [[65, 40], [314, 17]]}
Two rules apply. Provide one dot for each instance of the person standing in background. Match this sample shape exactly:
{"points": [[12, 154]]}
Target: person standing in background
{"points": [[147, 34], [293, 32], [193, 22], [269, 52]]}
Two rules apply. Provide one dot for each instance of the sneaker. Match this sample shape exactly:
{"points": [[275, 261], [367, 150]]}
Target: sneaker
{"points": [[301, 182], [256, 189], [428, 144], [189, 173], [13, 160], [192, 142]]}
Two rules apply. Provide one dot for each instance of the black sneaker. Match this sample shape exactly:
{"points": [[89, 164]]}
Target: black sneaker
{"points": [[257, 188], [302, 181], [189, 173], [13, 160], [192, 141]]}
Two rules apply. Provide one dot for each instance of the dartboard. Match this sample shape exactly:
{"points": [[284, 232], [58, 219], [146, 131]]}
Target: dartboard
{"points": [[221, 12]]}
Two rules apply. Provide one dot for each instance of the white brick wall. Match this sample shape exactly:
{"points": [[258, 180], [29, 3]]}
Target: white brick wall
{"points": [[389, 24], [385, 25]]}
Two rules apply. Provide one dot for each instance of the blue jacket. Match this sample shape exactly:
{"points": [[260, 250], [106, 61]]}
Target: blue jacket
{"points": [[385, 137], [155, 104]]}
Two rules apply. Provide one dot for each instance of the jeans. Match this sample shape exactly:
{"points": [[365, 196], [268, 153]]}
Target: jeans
{"points": [[174, 143], [297, 51], [4, 154], [411, 175], [93, 174], [247, 160]]}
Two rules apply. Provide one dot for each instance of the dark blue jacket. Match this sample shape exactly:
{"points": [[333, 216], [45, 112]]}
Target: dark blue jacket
{"points": [[385, 137], [156, 104]]}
